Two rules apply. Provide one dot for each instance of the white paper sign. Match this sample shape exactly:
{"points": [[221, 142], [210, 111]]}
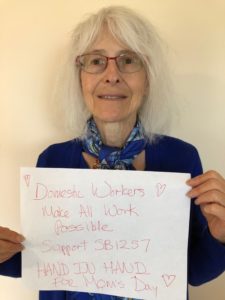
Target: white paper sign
{"points": [[114, 232]]}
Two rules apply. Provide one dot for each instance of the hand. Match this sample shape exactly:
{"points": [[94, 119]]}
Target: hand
{"points": [[10, 243], [209, 191]]}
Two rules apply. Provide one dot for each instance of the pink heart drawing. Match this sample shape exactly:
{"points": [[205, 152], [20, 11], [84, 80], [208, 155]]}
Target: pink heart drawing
{"points": [[168, 279], [27, 180], [160, 188]]}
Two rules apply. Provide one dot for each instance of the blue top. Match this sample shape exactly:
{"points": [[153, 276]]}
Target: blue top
{"points": [[206, 256]]}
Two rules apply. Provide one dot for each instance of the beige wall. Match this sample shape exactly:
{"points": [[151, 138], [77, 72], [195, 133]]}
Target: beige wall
{"points": [[33, 34]]}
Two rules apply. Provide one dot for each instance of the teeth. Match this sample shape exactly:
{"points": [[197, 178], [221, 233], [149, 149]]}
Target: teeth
{"points": [[111, 97]]}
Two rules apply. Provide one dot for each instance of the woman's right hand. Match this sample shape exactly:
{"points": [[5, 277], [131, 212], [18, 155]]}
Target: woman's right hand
{"points": [[10, 243]]}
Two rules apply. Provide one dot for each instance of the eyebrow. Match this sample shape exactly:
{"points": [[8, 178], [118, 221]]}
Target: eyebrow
{"points": [[103, 51]]}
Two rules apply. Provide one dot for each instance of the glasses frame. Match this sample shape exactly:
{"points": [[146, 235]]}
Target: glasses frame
{"points": [[79, 64]]}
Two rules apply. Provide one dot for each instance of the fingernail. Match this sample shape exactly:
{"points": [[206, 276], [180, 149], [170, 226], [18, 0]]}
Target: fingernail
{"points": [[20, 238], [189, 183], [189, 194]]}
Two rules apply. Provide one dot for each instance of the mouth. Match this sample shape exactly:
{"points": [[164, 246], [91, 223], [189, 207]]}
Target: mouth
{"points": [[112, 97]]}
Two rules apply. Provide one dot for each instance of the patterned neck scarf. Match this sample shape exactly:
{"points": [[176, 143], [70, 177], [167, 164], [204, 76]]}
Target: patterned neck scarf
{"points": [[113, 157]]}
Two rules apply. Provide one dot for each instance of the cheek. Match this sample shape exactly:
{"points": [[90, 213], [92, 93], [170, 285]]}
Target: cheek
{"points": [[140, 89], [87, 84], [140, 83], [139, 92], [84, 85], [86, 91]]}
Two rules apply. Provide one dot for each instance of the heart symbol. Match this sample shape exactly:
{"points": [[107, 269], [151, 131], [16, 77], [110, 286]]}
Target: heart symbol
{"points": [[168, 279], [160, 189]]}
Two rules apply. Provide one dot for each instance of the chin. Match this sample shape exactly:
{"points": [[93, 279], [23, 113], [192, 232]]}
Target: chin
{"points": [[112, 119], [108, 116]]}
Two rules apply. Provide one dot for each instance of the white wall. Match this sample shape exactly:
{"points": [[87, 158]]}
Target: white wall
{"points": [[33, 34]]}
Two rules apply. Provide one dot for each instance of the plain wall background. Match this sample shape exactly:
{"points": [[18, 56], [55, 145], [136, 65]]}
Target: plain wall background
{"points": [[33, 36]]}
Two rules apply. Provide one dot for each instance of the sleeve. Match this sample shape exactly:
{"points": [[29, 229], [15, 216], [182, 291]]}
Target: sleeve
{"points": [[206, 259], [62, 155], [11, 267], [48, 157]]}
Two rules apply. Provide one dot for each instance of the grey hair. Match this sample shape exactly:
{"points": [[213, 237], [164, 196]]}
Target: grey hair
{"points": [[140, 36]]}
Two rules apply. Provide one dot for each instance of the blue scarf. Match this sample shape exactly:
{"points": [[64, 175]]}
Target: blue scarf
{"points": [[113, 157]]}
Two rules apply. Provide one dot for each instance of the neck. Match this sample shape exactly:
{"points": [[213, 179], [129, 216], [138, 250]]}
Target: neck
{"points": [[115, 134]]}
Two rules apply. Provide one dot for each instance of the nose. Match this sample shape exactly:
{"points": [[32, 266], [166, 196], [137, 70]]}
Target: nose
{"points": [[112, 73]]}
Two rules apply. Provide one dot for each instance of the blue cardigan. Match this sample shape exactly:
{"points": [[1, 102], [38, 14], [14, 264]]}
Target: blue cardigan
{"points": [[206, 256]]}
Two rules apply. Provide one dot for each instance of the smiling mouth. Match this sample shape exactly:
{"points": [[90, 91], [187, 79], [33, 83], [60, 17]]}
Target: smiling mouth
{"points": [[112, 97]]}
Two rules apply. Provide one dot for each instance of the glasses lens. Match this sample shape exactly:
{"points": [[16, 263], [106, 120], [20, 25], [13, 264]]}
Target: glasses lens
{"points": [[93, 63], [129, 63]]}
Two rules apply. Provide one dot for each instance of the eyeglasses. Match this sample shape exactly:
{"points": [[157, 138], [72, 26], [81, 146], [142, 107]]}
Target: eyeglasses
{"points": [[97, 63]]}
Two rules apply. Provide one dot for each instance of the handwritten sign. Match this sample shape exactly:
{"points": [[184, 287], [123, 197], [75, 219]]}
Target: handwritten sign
{"points": [[114, 232]]}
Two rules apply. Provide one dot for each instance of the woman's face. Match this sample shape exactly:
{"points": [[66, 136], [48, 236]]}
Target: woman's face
{"points": [[112, 96]]}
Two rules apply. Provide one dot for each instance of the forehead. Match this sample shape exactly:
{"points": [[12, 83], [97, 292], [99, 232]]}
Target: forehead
{"points": [[107, 43]]}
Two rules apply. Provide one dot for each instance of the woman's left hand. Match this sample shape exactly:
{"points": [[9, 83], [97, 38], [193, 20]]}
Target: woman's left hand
{"points": [[209, 191]]}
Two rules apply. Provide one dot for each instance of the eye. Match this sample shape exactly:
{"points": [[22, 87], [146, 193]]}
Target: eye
{"points": [[93, 60], [129, 62], [128, 59]]}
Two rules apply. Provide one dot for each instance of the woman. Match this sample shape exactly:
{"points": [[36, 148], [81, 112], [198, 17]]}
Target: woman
{"points": [[119, 95]]}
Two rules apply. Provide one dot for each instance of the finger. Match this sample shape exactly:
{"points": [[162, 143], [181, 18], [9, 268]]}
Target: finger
{"points": [[9, 249], [209, 185], [211, 197], [215, 210], [7, 257], [10, 235], [205, 177]]}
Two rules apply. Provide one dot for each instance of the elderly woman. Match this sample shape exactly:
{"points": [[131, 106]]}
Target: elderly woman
{"points": [[116, 100]]}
